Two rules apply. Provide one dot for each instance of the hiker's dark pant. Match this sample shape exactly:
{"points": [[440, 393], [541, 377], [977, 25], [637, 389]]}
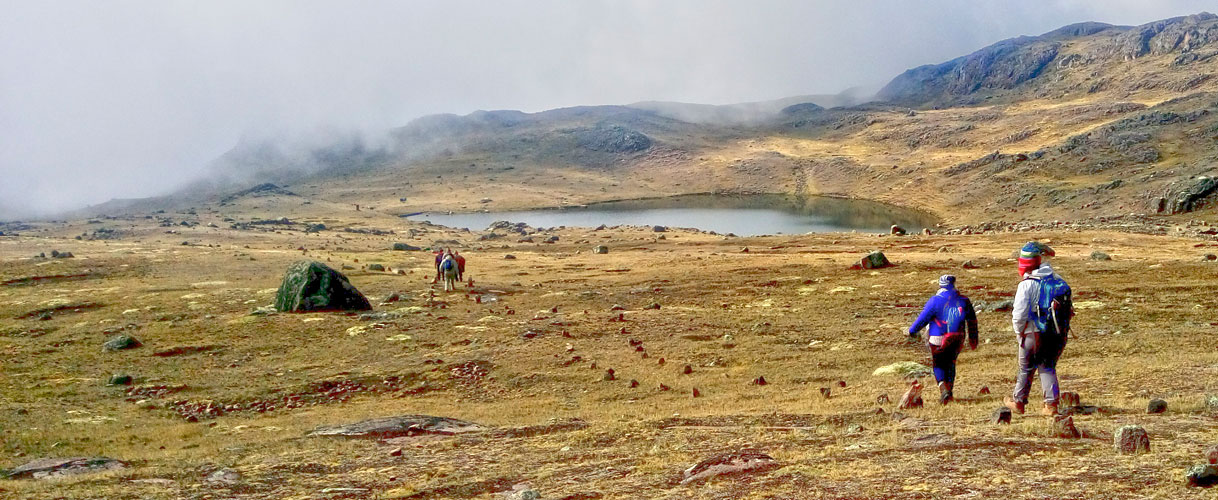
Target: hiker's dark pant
{"points": [[943, 357], [1037, 358]]}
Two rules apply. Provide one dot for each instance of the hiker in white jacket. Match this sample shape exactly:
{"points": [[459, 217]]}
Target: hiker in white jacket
{"points": [[1035, 354]]}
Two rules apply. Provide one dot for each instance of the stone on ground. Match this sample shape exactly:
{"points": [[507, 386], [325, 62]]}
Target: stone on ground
{"points": [[405, 425], [1156, 406], [45, 468], [1069, 399], [312, 286], [1063, 427], [907, 369], [602, 249], [1202, 475], [1001, 416], [121, 342], [403, 247], [1098, 255], [223, 477], [1131, 439], [729, 463], [1211, 455], [912, 397], [874, 260], [119, 379]]}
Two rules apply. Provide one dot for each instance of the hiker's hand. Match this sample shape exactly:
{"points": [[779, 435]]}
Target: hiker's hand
{"points": [[913, 336]]}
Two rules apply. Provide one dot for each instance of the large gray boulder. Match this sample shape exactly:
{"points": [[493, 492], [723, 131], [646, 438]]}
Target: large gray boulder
{"points": [[312, 286]]}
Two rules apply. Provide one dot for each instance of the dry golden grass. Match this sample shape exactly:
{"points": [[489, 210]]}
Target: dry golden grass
{"points": [[793, 310]]}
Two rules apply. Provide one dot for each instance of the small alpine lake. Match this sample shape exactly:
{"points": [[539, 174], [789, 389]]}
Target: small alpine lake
{"points": [[743, 215]]}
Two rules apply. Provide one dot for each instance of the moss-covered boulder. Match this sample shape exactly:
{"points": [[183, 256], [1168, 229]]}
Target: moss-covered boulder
{"points": [[312, 286]]}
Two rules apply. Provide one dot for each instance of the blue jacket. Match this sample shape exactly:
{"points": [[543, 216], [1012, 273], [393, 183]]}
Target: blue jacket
{"points": [[947, 312]]}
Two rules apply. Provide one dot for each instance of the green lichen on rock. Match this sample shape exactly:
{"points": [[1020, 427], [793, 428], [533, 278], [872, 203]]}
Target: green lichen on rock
{"points": [[312, 286]]}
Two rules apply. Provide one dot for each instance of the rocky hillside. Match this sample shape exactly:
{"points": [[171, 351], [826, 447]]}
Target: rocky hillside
{"points": [[1086, 122], [1069, 60]]}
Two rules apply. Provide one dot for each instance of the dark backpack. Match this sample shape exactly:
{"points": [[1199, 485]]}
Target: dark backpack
{"points": [[1054, 309]]}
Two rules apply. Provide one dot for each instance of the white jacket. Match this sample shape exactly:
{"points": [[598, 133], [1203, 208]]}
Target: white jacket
{"points": [[1027, 295]]}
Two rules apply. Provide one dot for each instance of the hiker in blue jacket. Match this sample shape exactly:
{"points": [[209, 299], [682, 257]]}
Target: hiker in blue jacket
{"points": [[948, 314]]}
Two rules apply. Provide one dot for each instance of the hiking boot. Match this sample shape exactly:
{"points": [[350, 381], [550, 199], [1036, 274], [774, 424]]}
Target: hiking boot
{"points": [[1049, 410], [945, 393], [1015, 406]]}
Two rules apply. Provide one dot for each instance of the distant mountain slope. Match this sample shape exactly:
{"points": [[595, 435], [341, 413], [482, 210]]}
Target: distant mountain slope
{"points": [[1089, 120], [1085, 57]]}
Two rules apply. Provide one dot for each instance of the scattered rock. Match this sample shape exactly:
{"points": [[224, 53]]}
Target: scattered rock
{"points": [[405, 425], [1209, 256], [687, 370], [509, 257], [396, 452], [601, 249], [1098, 255], [223, 477], [313, 286], [652, 306], [1211, 455], [729, 463], [985, 390], [609, 376], [874, 260], [634, 383], [994, 305], [968, 264], [1211, 403], [659, 229], [696, 393], [119, 379], [1156, 406], [912, 397], [1202, 475], [1001, 416], [1069, 399], [376, 267], [1131, 439], [897, 230], [826, 392], [883, 399], [1063, 427], [907, 369], [45, 468], [121, 342], [759, 381]]}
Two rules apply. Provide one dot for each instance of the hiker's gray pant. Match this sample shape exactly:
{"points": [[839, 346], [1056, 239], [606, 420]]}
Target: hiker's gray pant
{"points": [[1031, 361]]}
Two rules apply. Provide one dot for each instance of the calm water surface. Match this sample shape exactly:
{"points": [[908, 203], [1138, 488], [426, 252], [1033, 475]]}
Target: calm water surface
{"points": [[744, 215]]}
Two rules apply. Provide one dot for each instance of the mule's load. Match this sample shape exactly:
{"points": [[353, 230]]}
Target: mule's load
{"points": [[312, 286]]}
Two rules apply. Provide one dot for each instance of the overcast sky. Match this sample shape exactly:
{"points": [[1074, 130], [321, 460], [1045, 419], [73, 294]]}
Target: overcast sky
{"points": [[131, 98]]}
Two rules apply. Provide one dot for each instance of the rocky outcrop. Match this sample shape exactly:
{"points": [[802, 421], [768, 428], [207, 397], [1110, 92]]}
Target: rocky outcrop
{"points": [[1187, 196], [729, 463], [405, 425], [1000, 66], [612, 139], [46, 468], [1185, 33]]}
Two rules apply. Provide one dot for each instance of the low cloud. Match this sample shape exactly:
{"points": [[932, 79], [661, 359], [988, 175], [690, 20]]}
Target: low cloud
{"points": [[125, 99]]}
